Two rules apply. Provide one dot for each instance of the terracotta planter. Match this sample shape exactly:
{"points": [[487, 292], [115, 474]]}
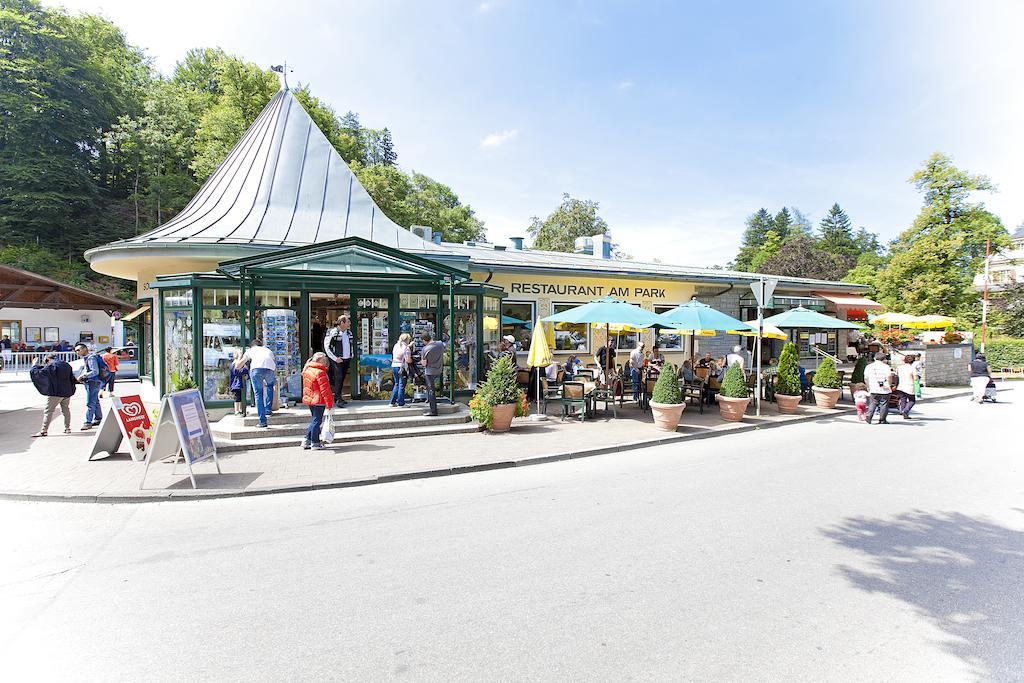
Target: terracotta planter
{"points": [[732, 409], [666, 415], [787, 404], [826, 398], [503, 415]]}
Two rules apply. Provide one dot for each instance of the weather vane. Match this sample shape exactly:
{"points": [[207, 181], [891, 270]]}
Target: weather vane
{"points": [[282, 72]]}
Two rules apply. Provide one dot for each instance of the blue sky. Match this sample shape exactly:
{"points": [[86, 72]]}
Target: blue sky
{"points": [[679, 118]]}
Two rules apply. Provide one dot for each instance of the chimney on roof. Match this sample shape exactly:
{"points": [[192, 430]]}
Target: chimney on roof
{"points": [[597, 245], [517, 243]]}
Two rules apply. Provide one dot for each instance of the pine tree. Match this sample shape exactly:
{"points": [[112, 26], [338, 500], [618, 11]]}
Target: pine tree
{"points": [[783, 223], [837, 235], [388, 156], [754, 236]]}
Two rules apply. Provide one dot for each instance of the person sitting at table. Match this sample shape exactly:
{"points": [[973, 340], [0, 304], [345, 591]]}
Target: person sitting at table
{"points": [[686, 372], [551, 372], [706, 362], [657, 357], [572, 366]]}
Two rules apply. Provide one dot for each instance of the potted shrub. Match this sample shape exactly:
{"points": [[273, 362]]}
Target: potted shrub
{"points": [[667, 400], [733, 396], [498, 398], [858, 370], [827, 386], [787, 384]]}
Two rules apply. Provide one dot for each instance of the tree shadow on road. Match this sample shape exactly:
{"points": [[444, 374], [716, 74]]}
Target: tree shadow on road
{"points": [[964, 574]]}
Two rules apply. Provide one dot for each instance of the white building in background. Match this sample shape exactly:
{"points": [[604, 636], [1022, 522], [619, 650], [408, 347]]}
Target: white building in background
{"points": [[1007, 267]]}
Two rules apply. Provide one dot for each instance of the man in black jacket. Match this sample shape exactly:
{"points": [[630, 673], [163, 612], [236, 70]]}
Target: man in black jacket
{"points": [[55, 380]]}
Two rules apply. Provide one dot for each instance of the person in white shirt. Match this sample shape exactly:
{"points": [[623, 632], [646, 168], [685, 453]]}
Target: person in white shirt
{"points": [[905, 386], [262, 376], [636, 368], [338, 347], [877, 377], [551, 372], [736, 356]]}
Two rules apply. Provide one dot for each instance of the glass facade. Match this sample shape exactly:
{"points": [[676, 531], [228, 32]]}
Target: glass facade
{"points": [[465, 345], [179, 364], [222, 344], [278, 324], [146, 341], [517, 320]]}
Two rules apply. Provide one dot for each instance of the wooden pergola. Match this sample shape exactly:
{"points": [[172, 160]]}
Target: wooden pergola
{"points": [[24, 289]]}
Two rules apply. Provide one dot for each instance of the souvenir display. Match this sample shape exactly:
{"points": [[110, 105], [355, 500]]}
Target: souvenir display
{"points": [[178, 343], [279, 329]]}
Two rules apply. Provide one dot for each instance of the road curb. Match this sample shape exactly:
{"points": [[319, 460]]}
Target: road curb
{"points": [[164, 495]]}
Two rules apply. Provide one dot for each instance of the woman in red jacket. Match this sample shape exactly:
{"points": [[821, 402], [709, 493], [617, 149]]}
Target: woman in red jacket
{"points": [[317, 394]]}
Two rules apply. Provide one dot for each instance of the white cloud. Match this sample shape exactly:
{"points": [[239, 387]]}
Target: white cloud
{"points": [[485, 7], [499, 139], [624, 85]]}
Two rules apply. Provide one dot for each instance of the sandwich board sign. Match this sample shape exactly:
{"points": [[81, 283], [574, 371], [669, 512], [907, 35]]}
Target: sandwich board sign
{"points": [[182, 429], [125, 419]]}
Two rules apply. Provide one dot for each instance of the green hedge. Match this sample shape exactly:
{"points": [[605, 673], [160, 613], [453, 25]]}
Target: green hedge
{"points": [[1005, 353]]}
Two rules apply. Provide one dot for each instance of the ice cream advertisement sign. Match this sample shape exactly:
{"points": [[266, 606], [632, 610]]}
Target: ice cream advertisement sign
{"points": [[135, 423]]}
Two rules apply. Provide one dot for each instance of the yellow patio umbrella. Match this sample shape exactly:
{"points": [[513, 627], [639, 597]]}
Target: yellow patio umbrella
{"points": [[897, 319], [767, 331], [931, 322], [539, 357]]}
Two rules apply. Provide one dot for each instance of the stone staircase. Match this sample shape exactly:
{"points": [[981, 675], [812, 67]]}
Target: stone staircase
{"points": [[358, 421]]}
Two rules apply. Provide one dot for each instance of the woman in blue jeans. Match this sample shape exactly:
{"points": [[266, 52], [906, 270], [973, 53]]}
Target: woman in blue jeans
{"points": [[401, 360], [318, 395]]}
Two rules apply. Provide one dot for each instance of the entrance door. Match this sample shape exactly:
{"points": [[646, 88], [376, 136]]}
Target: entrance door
{"points": [[372, 374], [324, 311]]}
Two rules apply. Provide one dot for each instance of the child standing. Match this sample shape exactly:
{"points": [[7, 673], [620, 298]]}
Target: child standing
{"points": [[860, 399], [237, 378]]}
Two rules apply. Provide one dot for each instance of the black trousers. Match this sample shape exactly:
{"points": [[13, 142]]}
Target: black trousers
{"points": [[907, 401], [879, 402], [337, 373], [431, 395]]}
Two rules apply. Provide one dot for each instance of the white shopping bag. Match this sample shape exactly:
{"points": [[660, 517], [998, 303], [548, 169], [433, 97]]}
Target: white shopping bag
{"points": [[327, 429]]}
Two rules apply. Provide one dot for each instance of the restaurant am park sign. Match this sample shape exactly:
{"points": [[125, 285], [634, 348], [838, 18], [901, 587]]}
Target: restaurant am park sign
{"points": [[592, 291]]}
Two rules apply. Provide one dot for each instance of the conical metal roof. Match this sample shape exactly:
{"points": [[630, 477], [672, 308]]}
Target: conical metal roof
{"points": [[283, 184]]}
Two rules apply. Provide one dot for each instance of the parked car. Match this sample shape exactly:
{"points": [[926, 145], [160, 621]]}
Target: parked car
{"points": [[127, 362]]}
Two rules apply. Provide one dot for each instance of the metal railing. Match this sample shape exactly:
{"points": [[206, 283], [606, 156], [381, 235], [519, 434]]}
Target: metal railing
{"points": [[826, 354], [22, 361]]}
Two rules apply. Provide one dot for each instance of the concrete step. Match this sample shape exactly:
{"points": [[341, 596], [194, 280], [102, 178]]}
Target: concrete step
{"points": [[235, 432], [226, 446], [353, 411]]}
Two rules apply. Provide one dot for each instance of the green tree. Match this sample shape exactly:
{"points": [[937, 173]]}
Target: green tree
{"points": [[783, 222], [788, 380], [800, 256], [800, 222], [756, 232], [573, 218], [865, 271], [837, 235], [245, 91], [934, 261], [388, 156], [772, 245], [1007, 310]]}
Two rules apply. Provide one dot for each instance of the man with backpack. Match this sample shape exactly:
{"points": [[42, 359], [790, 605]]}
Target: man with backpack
{"points": [[94, 373], [54, 379]]}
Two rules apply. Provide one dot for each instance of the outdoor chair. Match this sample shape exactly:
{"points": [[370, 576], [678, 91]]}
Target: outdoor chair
{"points": [[574, 394], [693, 391], [551, 391], [648, 391], [752, 384], [523, 377], [608, 398], [586, 372], [702, 373]]}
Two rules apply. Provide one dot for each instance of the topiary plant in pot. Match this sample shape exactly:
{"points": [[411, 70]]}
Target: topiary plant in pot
{"points": [[498, 398], [733, 396], [787, 384], [667, 400], [858, 370], [827, 385]]}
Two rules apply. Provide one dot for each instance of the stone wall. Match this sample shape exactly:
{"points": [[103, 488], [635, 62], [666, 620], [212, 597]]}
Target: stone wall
{"points": [[945, 364], [727, 302]]}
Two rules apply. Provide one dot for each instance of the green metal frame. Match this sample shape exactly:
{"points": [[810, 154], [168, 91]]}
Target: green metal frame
{"points": [[252, 274]]}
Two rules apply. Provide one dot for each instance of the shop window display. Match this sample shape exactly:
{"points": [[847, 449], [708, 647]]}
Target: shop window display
{"points": [[178, 337], [492, 332], [464, 345], [279, 329], [222, 344], [373, 374]]}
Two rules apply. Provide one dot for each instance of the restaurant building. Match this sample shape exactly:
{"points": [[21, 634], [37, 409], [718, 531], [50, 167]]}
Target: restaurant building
{"points": [[282, 239]]}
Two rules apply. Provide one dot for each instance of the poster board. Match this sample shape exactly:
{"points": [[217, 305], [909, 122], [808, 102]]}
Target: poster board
{"points": [[182, 428], [125, 419]]}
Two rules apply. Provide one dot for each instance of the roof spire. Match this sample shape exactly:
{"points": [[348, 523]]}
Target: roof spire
{"points": [[282, 71]]}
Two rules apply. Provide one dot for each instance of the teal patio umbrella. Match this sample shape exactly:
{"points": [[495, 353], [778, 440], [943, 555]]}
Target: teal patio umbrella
{"points": [[607, 312], [808, 319], [696, 318]]}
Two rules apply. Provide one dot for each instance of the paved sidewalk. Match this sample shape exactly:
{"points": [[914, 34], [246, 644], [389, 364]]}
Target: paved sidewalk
{"points": [[56, 467]]}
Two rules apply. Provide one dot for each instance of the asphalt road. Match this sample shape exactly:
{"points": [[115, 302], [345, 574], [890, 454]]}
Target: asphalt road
{"points": [[825, 551]]}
